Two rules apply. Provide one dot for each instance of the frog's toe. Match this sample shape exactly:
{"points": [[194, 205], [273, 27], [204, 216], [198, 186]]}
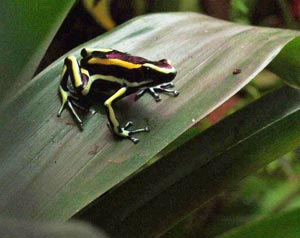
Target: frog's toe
{"points": [[167, 85], [145, 129], [134, 140], [140, 94], [61, 109], [125, 133], [154, 91], [128, 124], [165, 88], [174, 93]]}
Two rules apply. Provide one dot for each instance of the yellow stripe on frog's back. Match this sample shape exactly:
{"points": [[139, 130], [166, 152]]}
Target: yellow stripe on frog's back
{"points": [[116, 62]]}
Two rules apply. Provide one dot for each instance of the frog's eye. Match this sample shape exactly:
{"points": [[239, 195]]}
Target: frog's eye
{"points": [[147, 68], [83, 53], [165, 61]]}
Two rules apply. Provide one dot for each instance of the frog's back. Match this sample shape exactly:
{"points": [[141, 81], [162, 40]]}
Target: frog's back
{"points": [[118, 65], [112, 55]]}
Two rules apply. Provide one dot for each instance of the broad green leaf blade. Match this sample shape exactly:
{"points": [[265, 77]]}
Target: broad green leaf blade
{"points": [[285, 225], [17, 228], [50, 169], [286, 64], [161, 195], [27, 27]]}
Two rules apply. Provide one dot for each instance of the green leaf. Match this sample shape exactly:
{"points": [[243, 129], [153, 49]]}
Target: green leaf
{"points": [[27, 27], [286, 64], [161, 195], [285, 225], [17, 228], [50, 169], [242, 10]]}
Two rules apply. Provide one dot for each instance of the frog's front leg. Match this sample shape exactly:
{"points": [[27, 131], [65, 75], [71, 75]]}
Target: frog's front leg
{"points": [[158, 89], [71, 68], [113, 122]]}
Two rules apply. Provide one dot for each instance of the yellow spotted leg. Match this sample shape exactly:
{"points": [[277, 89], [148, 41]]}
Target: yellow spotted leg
{"points": [[113, 122]]}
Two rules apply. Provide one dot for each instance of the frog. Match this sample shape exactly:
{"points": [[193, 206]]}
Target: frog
{"points": [[106, 75]]}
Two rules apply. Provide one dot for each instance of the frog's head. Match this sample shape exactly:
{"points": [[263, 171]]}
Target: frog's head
{"points": [[160, 71], [102, 52]]}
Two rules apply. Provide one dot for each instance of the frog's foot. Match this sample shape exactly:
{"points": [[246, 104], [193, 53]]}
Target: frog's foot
{"points": [[163, 88], [125, 133], [68, 102], [128, 133]]}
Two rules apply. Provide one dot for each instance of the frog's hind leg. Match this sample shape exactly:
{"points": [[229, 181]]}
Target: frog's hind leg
{"points": [[84, 106], [71, 68], [114, 123], [158, 89]]}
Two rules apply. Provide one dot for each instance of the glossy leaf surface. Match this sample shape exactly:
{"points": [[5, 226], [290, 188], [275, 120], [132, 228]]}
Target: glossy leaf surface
{"points": [[50, 169], [184, 180], [286, 64]]}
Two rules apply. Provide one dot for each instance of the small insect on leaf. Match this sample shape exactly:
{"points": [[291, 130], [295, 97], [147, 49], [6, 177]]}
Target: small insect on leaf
{"points": [[237, 71]]}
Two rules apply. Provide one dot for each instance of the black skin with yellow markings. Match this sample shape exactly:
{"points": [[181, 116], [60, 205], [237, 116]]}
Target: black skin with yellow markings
{"points": [[106, 76]]}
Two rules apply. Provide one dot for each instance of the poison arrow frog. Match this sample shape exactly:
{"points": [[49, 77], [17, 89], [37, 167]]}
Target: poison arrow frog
{"points": [[107, 75]]}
